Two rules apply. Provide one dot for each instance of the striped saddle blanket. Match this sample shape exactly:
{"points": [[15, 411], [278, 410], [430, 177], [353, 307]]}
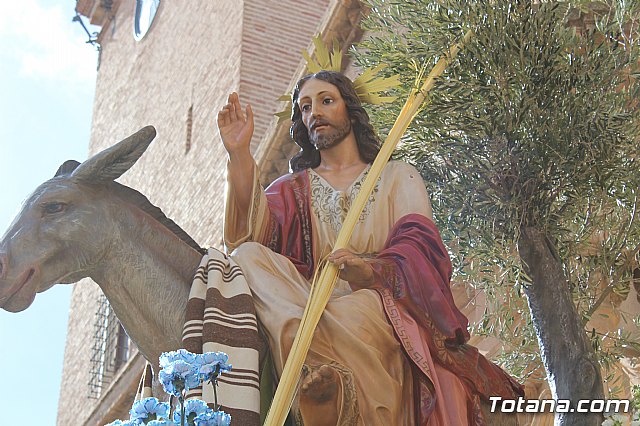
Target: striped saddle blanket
{"points": [[221, 317]]}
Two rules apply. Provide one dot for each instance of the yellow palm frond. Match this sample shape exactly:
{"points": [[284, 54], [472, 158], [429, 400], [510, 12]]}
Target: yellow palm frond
{"points": [[284, 114], [336, 57], [312, 65], [323, 57]]}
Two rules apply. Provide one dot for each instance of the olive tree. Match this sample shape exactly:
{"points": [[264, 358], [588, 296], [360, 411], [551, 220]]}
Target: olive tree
{"points": [[529, 146]]}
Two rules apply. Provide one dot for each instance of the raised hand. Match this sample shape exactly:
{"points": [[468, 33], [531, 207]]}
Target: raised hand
{"points": [[236, 129], [353, 268]]}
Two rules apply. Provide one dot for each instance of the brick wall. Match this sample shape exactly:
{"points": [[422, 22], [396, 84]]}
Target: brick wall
{"points": [[196, 52], [273, 36]]}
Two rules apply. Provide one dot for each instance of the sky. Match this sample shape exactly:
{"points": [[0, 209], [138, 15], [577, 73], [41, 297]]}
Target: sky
{"points": [[47, 82]]}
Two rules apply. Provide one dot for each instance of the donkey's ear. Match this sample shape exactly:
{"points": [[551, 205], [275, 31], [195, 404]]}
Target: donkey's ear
{"points": [[111, 163], [66, 168]]}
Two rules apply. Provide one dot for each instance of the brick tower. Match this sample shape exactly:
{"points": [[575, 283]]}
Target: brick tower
{"points": [[176, 76]]}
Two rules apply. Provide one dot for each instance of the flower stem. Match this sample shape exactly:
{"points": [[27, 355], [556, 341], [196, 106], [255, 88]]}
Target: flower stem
{"points": [[182, 410], [216, 407], [171, 406], [215, 395]]}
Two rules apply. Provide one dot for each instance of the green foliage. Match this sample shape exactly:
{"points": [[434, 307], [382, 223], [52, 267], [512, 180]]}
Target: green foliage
{"points": [[534, 124], [635, 395]]}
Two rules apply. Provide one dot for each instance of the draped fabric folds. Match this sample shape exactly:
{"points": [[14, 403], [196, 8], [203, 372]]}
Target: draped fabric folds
{"points": [[221, 317], [412, 276], [299, 217]]}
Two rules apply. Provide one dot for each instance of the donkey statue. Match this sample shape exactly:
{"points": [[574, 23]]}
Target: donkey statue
{"points": [[81, 223]]}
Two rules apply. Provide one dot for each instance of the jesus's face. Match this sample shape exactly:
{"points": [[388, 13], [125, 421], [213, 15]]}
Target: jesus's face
{"points": [[324, 113]]}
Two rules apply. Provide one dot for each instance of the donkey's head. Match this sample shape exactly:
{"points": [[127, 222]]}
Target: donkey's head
{"points": [[65, 227]]}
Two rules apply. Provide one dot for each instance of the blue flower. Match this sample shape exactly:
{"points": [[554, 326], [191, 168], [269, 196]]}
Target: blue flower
{"points": [[148, 409], [211, 364], [120, 423], [178, 376], [162, 423], [180, 355], [193, 408], [213, 418]]}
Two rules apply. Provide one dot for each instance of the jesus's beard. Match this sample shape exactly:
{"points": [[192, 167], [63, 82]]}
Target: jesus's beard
{"points": [[330, 136]]}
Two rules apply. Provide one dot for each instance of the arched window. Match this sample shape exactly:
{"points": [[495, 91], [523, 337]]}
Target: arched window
{"points": [[145, 12]]}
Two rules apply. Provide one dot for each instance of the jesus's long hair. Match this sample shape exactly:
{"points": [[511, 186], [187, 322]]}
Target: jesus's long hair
{"points": [[366, 138]]}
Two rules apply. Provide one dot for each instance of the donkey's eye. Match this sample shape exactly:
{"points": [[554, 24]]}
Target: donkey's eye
{"points": [[51, 208]]}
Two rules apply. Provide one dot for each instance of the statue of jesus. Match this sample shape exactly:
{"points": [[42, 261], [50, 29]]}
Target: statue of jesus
{"points": [[390, 347]]}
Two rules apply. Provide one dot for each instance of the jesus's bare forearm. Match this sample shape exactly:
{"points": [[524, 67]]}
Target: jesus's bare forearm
{"points": [[241, 169]]}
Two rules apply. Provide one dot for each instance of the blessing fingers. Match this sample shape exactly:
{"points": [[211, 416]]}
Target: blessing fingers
{"points": [[223, 117], [231, 112]]}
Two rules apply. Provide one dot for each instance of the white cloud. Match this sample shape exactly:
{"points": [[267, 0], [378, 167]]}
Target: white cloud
{"points": [[45, 43]]}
